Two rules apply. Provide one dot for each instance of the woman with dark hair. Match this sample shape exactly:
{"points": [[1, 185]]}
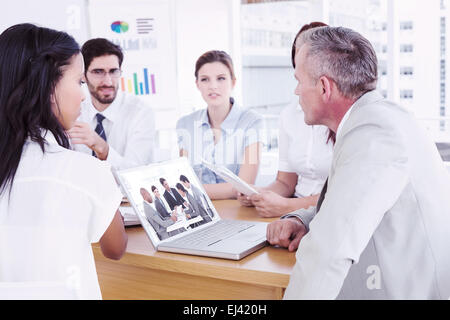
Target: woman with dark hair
{"points": [[54, 202], [304, 161], [223, 133]]}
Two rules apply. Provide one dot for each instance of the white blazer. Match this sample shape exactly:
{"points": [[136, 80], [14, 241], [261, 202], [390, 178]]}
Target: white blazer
{"points": [[383, 231]]}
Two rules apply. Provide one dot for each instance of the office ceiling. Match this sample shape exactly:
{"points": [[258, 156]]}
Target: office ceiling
{"points": [[263, 1]]}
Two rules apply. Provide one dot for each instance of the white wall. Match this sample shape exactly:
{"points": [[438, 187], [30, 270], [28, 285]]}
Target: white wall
{"points": [[203, 25], [66, 15]]}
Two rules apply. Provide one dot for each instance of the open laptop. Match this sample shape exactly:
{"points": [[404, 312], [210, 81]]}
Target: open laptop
{"points": [[179, 217]]}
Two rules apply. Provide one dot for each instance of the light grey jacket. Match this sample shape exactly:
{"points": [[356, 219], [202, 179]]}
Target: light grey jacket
{"points": [[383, 231]]}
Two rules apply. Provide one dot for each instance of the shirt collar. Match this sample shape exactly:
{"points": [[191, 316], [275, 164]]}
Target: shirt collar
{"points": [[229, 122], [48, 137], [203, 118], [111, 112], [367, 98], [232, 118]]}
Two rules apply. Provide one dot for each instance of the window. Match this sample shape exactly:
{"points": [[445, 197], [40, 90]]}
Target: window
{"points": [[406, 25], [406, 48], [406, 94], [406, 71]]}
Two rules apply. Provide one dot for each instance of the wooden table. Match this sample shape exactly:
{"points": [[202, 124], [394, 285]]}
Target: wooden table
{"points": [[144, 273]]}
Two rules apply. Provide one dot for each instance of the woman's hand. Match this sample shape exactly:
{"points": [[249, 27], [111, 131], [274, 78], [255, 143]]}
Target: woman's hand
{"points": [[244, 200], [269, 204]]}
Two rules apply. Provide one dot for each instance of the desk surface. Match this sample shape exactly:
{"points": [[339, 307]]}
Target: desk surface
{"points": [[269, 267]]}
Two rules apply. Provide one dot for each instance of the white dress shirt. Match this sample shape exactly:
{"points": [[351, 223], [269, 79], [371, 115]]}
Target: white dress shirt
{"points": [[383, 230], [304, 150], [61, 202], [130, 131]]}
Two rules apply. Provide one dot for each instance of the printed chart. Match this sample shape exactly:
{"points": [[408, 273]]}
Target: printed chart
{"points": [[142, 84]]}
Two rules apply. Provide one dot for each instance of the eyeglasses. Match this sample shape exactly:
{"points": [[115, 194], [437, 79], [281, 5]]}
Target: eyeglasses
{"points": [[100, 73]]}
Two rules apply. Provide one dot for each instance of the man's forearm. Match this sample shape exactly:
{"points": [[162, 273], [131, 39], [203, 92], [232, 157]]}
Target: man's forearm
{"points": [[304, 215]]}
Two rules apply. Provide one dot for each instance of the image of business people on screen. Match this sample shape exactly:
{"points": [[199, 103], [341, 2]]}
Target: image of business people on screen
{"points": [[198, 195], [158, 223], [171, 195], [193, 209]]}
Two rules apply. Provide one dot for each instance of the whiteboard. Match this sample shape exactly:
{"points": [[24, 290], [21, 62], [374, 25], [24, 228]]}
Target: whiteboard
{"points": [[144, 32]]}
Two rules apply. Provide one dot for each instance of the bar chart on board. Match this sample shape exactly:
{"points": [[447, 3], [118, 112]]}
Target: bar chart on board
{"points": [[139, 83]]}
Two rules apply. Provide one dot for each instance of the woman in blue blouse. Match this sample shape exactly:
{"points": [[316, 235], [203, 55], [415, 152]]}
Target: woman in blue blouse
{"points": [[223, 133]]}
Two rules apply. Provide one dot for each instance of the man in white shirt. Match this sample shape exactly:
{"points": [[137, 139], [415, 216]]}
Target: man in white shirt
{"points": [[382, 225], [113, 126]]}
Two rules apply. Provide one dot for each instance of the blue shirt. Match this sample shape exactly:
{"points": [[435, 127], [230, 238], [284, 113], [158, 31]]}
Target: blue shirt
{"points": [[241, 128]]}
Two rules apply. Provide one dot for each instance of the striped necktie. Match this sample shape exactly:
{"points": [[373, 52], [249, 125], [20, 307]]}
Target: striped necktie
{"points": [[99, 128]]}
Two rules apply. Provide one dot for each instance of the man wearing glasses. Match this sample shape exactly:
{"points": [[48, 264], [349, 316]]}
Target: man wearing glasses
{"points": [[113, 126]]}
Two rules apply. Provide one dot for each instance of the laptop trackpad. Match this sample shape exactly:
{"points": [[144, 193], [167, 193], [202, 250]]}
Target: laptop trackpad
{"points": [[254, 234]]}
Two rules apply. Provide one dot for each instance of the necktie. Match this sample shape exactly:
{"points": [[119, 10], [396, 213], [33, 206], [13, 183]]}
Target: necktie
{"points": [[322, 196], [99, 128]]}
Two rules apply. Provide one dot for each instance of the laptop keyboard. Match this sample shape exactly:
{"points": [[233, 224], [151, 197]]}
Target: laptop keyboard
{"points": [[219, 231]]}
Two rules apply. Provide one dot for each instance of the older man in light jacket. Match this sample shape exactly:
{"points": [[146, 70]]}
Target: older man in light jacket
{"points": [[382, 230]]}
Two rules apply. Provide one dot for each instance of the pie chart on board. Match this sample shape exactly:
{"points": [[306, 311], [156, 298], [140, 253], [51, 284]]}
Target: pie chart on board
{"points": [[119, 26]]}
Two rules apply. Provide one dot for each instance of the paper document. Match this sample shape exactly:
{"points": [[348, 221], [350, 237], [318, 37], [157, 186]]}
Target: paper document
{"points": [[239, 184], [129, 216]]}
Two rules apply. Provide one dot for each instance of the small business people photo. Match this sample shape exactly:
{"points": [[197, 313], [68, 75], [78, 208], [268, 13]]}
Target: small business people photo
{"points": [[172, 196], [158, 223], [199, 197], [192, 209], [161, 205]]}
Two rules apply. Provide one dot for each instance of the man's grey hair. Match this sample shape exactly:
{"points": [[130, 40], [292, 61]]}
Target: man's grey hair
{"points": [[343, 55]]}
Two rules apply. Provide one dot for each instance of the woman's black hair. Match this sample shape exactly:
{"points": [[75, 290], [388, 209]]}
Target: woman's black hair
{"points": [[183, 178], [179, 186], [31, 60]]}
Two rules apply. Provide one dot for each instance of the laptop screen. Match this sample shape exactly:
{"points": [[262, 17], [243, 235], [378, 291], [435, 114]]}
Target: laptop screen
{"points": [[168, 198]]}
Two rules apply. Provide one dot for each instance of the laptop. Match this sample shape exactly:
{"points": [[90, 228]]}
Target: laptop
{"points": [[178, 216]]}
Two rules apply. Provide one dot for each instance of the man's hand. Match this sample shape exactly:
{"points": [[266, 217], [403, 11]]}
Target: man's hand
{"points": [[269, 204], [286, 233], [82, 133]]}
